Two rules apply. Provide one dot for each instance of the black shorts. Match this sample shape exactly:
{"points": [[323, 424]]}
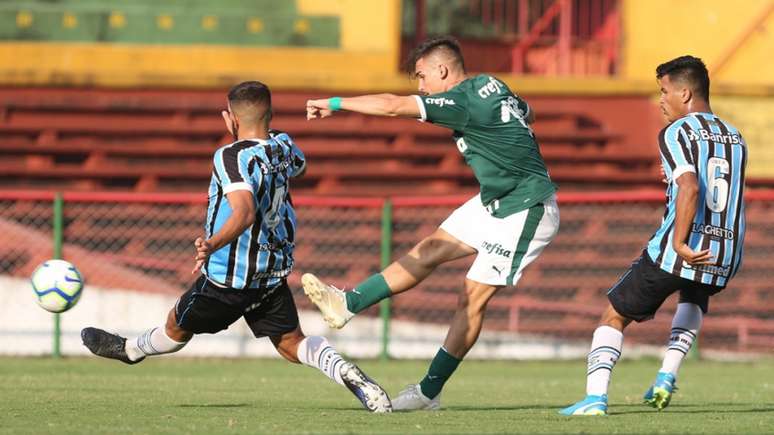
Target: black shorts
{"points": [[207, 308], [639, 293]]}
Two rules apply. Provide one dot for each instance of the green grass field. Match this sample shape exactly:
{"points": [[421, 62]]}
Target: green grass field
{"points": [[175, 395]]}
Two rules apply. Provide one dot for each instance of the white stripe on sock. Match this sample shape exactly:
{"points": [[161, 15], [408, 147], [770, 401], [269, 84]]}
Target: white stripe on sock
{"points": [[154, 341], [685, 328], [315, 352]]}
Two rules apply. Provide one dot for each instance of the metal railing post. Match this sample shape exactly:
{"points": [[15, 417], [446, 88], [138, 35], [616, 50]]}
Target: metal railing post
{"points": [[386, 254], [58, 227]]}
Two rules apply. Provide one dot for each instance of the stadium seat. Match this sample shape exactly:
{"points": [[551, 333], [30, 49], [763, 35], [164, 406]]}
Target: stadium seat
{"points": [[164, 140]]}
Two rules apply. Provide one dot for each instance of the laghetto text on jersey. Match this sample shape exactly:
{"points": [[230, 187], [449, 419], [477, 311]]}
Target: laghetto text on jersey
{"points": [[715, 151], [263, 254]]}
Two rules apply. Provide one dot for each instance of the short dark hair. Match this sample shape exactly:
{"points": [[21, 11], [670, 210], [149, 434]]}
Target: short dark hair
{"points": [[252, 92], [690, 70], [445, 43], [251, 101]]}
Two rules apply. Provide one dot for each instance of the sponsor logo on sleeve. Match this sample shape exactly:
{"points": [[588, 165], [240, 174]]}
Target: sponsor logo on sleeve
{"points": [[439, 101]]}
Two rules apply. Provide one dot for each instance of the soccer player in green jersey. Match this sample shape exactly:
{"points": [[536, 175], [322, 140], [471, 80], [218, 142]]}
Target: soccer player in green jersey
{"points": [[506, 226]]}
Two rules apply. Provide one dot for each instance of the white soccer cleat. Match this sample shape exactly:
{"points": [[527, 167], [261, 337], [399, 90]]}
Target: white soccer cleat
{"points": [[412, 399], [371, 395], [329, 299]]}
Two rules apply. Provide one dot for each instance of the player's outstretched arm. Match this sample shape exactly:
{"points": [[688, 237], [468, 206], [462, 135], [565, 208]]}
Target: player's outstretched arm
{"points": [[377, 104], [242, 216], [685, 212]]}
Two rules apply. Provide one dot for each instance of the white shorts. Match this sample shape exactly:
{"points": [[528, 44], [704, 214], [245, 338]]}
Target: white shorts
{"points": [[505, 246]]}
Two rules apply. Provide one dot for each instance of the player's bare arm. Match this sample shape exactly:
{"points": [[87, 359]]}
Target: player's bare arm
{"points": [[377, 104], [242, 216], [687, 198]]}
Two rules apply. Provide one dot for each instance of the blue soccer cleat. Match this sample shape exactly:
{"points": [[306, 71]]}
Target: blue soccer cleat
{"points": [[591, 405], [660, 393]]}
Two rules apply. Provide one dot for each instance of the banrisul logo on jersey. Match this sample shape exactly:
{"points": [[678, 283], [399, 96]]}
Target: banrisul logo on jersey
{"points": [[705, 135], [440, 101]]}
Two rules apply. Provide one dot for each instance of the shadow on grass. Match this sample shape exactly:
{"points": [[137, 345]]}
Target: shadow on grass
{"points": [[213, 405], [450, 409], [536, 407], [633, 408], [706, 408]]}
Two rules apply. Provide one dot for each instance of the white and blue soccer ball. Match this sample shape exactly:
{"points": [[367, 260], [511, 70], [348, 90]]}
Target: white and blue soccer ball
{"points": [[57, 285]]}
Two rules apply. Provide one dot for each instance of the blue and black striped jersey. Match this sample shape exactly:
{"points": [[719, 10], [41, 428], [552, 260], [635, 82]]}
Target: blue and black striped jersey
{"points": [[263, 254], [715, 151]]}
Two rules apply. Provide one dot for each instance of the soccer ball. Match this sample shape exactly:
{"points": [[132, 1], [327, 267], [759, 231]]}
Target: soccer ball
{"points": [[57, 285]]}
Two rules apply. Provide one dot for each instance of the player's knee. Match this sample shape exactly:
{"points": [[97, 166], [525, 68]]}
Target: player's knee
{"points": [[433, 250], [428, 252], [287, 344], [475, 296], [177, 334], [174, 331], [612, 318]]}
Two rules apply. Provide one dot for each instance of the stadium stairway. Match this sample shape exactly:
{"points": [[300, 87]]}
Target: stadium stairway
{"points": [[145, 141]]}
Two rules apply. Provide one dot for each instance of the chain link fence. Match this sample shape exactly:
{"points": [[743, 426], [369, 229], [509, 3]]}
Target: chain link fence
{"points": [[144, 244], [26, 225]]}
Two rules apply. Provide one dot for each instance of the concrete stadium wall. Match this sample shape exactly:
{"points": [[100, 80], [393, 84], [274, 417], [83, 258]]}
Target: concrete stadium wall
{"points": [[202, 47], [658, 30], [236, 22], [754, 117], [26, 329], [365, 57], [366, 51]]}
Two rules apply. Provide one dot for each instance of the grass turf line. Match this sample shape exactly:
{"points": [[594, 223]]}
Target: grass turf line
{"points": [[213, 396]]}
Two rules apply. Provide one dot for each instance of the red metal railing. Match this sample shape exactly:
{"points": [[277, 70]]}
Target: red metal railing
{"points": [[142, 242], [546, 37]]}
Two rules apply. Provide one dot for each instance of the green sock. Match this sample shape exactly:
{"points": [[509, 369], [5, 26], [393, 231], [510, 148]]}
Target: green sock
{"points": [[441, 369], [367, 293]]}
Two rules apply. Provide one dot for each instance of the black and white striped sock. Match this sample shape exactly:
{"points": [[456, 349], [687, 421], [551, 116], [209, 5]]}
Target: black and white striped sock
{"points": [[315, 351], [154, 341], [685, 329], [605, 352]]}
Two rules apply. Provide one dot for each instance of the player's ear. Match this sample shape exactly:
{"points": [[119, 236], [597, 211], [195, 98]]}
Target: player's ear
{"points": [[443, 71], [685, 95], [227, 119]]}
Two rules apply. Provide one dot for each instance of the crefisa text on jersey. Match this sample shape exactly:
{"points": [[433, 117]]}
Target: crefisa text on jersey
{"points": [[497, 248], [490, 88]]}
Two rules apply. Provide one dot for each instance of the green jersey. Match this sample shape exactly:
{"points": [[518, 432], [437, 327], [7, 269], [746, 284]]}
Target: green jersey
{"points": [[491, 132]]}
